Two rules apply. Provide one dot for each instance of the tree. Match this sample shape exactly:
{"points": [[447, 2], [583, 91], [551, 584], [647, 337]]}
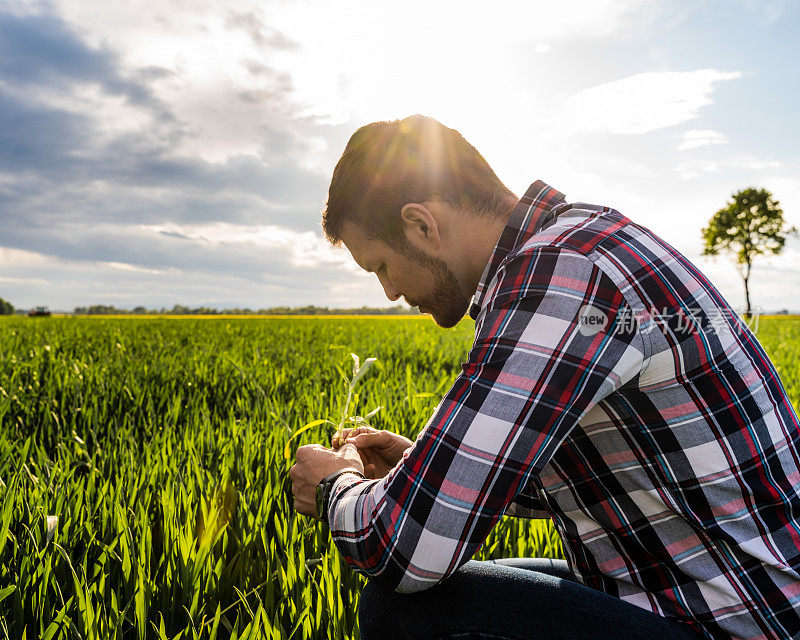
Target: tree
{"points": [[750, 225], [6, 308]]}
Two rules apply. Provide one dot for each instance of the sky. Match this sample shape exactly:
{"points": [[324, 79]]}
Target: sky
{"points": [[157, 153]]}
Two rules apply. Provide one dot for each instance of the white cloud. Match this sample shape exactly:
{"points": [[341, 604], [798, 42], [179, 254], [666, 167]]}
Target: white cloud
{"points": [[20, 259], [211, 65], [24, 281], [745, 162], [305, 248], [450, 59], [701, 138], [695, 168], [135, 268], [644, 102], [543, 47], [31, 278], [766, 12]]}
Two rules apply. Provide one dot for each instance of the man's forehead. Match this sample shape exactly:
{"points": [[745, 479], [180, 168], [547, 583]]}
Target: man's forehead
{"points": [[360, 245]]}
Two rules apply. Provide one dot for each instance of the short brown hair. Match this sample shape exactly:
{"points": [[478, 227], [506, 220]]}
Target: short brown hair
{"points": [[386, 165]]}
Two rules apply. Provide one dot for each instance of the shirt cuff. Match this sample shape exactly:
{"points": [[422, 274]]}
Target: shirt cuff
{"points": [[340, 486]]}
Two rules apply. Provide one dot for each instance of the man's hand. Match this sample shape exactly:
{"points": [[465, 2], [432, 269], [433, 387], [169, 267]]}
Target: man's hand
{"points": [[314, 462], [380, 451]]}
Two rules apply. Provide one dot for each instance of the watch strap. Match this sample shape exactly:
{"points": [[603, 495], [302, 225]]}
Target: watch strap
{"points": [[327, 484]]}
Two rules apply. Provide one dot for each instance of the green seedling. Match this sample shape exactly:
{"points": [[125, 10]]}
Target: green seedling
{"points": [[346, 420]]}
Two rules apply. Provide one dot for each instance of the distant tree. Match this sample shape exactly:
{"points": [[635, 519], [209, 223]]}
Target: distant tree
{"points": [[6, 308], [179, 309], [99, 310], [750, 225]]}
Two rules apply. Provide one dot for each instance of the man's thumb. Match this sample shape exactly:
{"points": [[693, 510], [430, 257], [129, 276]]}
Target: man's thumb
{"points": [[349, 449], [364, 440]]}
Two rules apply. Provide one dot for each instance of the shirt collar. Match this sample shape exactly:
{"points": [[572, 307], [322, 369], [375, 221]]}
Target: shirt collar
{"points": [[538, 208]]}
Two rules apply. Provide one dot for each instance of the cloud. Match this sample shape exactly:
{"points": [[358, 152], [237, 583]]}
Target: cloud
{"points": [[701, 138], [696, 168], [262, 35], [451, 59], [254, 252], [765, 12], [119, 167], [747, 162], [644, 102], [218, 73], [740, 163], [41, 50], [257, 278], [24, 281], [300, 249], [85, 139]]}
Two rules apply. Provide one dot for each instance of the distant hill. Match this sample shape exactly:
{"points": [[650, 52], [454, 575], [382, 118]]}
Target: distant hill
{"points": [[310, 310]]}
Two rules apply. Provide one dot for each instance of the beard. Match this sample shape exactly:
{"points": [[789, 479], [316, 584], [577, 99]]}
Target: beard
{"points": [[447, 303]]}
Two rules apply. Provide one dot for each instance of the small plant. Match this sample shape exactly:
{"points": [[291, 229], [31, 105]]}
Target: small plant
{"points": [[346, 420]]}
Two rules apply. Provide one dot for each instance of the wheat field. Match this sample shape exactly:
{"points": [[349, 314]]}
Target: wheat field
{"points": [[144, 490]]}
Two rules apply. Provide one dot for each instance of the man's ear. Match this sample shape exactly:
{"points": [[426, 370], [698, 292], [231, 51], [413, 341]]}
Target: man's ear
{"points": [[420, 226]]}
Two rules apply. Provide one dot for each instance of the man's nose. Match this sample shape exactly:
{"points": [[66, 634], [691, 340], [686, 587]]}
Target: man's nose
{"points": [[388, 288]]}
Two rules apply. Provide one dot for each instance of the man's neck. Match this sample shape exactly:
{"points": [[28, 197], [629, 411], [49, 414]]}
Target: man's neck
{"points": [[479, 244]]}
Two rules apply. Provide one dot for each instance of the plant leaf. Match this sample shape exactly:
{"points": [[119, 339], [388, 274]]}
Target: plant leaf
{"points": [[52, 525], [4, 593], [358, 421], [362, 370], [287, 450], [372, 413]]}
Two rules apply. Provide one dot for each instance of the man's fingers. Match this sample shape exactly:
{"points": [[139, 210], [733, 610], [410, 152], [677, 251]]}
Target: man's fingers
{"points": [[307, 451], [364, 440], [348, 448], [341, 437]]}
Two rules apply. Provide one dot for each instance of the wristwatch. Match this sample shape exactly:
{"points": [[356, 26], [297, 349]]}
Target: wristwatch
{"points": [[324, 490]]}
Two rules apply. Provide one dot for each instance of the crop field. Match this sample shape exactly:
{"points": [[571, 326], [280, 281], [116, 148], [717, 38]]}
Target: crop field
{"points": [[144, 490]]}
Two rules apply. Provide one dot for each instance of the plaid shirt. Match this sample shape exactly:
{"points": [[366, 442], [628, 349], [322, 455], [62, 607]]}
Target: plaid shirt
{"points": [[611, 385]]}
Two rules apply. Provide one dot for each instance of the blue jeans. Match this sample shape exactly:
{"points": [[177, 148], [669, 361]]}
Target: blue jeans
{"points": [[510, 599]]}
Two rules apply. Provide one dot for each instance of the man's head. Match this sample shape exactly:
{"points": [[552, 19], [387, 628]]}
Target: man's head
{"points": [[413, 191], [386, 165]]}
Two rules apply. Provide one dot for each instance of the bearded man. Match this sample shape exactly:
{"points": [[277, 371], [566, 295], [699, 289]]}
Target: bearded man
{"points": [[609, 387]]}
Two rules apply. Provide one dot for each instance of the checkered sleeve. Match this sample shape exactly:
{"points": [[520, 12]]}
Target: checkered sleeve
{"points": [[537, 365]]}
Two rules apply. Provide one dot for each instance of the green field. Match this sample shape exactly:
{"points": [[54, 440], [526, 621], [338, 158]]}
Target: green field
{"points": [[143, 487]]}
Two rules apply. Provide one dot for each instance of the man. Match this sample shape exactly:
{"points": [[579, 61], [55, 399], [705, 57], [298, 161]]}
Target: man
{"points": [[609, 385]]}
